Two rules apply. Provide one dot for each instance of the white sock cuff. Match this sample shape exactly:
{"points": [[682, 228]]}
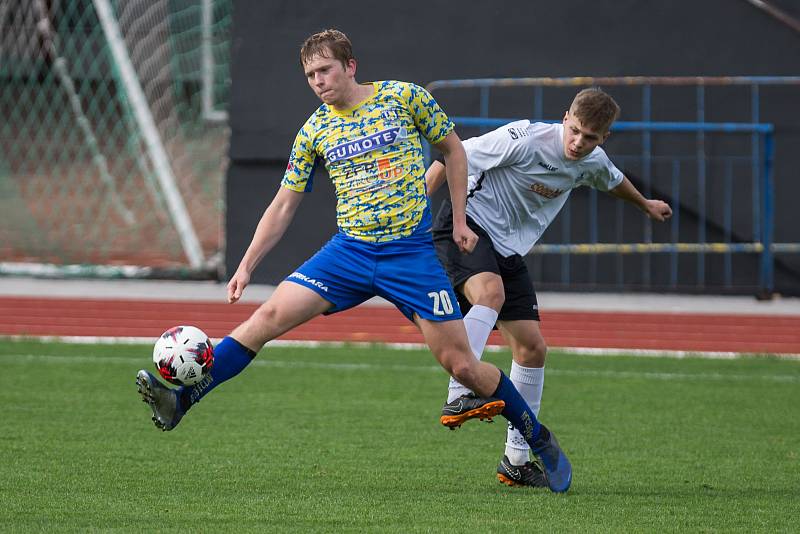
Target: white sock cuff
{"points": [[526, 375], [482, 313]]}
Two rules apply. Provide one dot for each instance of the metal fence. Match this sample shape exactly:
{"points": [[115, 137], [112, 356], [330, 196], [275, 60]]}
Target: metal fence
{"points": [[113, 136], [730, 194]]}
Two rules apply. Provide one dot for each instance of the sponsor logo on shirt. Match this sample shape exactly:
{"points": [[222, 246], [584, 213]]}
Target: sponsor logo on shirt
{"points": [[545, 191], [372, 175], [363, 145], [547, 166]]}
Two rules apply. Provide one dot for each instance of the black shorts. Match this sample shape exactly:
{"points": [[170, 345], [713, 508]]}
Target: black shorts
{"points": [[520, 303]]}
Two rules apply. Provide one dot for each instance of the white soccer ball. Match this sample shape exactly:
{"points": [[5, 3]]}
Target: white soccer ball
{"points": [[183, 355]]}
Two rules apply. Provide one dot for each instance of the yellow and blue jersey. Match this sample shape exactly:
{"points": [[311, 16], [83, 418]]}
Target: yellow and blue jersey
{"points": [[373, 154]]}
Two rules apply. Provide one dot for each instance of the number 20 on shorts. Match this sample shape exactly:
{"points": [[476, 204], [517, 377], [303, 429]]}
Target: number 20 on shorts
{"points": [[442, 305]]}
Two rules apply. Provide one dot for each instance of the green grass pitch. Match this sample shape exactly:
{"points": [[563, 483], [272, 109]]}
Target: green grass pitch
{"points": [[348, 440]]}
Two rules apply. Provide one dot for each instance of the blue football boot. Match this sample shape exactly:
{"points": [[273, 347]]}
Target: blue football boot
{"points": [[557, 468], [167, 412]]}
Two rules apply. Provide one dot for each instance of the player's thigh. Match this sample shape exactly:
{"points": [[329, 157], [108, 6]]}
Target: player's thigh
{"points": [[289, 305], [520, 302], [526, 341], [447, 341]]}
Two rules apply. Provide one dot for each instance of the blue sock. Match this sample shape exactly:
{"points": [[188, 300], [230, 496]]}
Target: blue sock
{"points": [[230, 358], [517, 410]]}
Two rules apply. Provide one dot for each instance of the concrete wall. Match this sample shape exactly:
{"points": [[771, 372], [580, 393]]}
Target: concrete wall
{"points": [[475, 39]]}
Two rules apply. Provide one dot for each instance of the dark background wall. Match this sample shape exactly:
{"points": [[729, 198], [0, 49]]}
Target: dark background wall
{"points": [[475, 39]]}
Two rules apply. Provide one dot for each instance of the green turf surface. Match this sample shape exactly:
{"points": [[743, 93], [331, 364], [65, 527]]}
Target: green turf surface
{"points": [[347, 439]]}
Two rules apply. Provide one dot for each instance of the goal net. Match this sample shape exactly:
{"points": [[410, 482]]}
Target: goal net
{"points": [[113, 135]]}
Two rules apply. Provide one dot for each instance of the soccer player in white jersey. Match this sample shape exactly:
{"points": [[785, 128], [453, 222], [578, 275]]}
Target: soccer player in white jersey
{"points": [[368, 136], [520, 176]]}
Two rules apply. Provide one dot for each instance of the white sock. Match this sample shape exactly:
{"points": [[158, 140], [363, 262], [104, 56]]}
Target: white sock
{"points": [[529, 381], [479, 323]]}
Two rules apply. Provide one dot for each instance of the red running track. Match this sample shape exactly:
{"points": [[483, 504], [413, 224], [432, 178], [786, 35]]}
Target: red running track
{"points": [[762, 334]]}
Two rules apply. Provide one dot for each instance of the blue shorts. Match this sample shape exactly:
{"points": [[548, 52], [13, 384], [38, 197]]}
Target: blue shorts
{"points": [[406, 272]]}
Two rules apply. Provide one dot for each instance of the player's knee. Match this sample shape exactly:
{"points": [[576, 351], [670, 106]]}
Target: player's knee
{"points": [[495, 299], [487, 290], [464, 370], [491, 296], [533, 354], [265, 315]]}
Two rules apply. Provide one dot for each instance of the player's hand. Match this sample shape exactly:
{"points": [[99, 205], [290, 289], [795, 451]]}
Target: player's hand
{"points": [[236, 286], [465, 239], [658, 210]]}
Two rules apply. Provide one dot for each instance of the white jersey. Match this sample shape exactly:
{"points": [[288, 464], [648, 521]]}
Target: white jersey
{"points": [[519, 179]]}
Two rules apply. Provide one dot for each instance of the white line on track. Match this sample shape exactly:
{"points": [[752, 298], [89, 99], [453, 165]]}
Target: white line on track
{"points": [[587, 351], [341, 366]]}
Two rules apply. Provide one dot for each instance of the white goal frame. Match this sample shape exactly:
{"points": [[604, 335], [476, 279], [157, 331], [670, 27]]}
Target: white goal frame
{"points": [[146, 123]]}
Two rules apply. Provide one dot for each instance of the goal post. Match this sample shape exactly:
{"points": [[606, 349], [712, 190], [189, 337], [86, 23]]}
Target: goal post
{"points": [[152, 138]]}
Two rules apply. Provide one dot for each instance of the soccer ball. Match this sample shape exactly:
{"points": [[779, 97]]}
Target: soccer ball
{"points": [[183, 355]]}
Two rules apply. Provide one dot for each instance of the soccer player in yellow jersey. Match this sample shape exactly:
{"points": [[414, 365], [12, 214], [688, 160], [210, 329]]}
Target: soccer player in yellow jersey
{"points": [[368, 136]]}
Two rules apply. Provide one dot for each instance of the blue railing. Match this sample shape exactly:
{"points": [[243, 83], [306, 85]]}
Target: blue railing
{"points": [[759, 160], [623, 126], [761, 244]]}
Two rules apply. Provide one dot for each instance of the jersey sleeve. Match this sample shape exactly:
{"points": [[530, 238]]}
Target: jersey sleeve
{"points": [[607, 177], [502, 147], [429, 118], [302, 161]]}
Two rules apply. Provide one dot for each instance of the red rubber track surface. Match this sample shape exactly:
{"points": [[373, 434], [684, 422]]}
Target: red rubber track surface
{"points": [[773, 334]]}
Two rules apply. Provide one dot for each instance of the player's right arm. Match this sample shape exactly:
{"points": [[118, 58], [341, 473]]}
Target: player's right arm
{"points": [[270, 229], [280, 212], [456, 161]]}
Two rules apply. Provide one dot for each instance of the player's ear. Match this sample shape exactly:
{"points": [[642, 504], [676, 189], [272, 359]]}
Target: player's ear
{"points": [[350, 67], [605, 136], [566, 116]]}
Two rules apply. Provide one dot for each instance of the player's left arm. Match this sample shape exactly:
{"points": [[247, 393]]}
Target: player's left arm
{"points": [[653, 208], [455, 167]]}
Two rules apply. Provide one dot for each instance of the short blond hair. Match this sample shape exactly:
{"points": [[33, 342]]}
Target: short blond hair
{"points": [[330, 43], [595, 109]]}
